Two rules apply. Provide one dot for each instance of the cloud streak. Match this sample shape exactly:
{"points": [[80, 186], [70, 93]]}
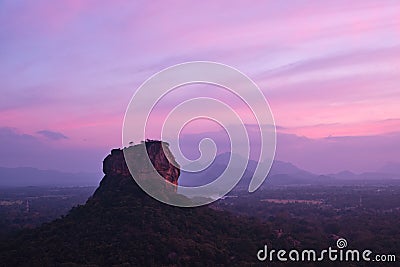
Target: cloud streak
{"points": [[52, 135]]}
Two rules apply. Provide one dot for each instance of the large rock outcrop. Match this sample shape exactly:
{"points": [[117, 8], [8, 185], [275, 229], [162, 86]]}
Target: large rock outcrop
{"points": [[121, 225], [161, 160]]}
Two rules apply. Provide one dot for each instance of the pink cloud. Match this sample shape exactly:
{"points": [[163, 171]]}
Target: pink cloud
{"points": [[366, 128]]}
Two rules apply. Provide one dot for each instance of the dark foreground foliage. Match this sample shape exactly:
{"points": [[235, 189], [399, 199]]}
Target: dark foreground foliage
{"points": [[121, 225]]}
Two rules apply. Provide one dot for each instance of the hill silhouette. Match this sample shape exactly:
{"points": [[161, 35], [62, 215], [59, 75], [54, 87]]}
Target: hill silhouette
{"points": [[120, 225]]}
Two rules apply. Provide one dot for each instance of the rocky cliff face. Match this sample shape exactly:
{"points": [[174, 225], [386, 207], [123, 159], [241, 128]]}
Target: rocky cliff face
{"points": [[160, 157]]}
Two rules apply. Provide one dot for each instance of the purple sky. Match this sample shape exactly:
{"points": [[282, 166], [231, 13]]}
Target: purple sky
{"points": [[329, 69]]}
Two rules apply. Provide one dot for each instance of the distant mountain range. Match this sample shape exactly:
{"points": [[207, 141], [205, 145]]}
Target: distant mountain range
{"points": [[281, 173], [26, 176], [285, 173]]}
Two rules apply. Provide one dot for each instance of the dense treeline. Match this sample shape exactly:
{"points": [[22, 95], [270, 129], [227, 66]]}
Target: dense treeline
{"points": [[315, 216], [122, 225]]}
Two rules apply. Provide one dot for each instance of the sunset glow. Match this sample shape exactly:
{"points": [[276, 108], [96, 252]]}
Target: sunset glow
{"points": [[327, 69]]}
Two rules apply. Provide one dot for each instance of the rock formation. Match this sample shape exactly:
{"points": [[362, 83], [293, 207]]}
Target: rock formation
{"points": [[161, 160], [121, 225]]}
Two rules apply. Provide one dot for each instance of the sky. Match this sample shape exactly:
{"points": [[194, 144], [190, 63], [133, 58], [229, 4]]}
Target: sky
{"points": [[330, 71]]}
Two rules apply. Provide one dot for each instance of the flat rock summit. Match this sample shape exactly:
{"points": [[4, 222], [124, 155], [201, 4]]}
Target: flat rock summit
{"points": [[161, 160]]}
